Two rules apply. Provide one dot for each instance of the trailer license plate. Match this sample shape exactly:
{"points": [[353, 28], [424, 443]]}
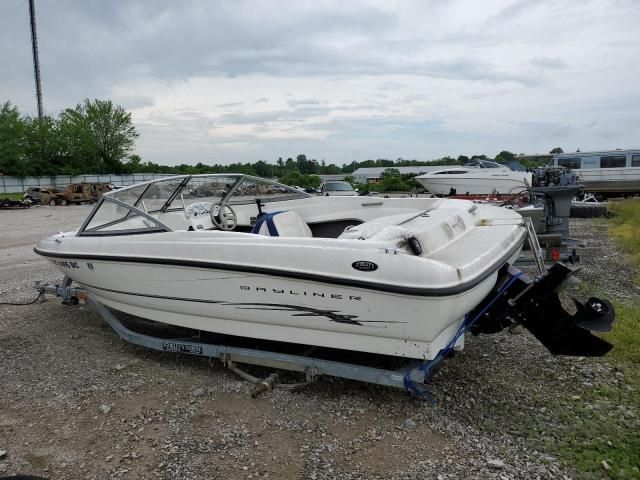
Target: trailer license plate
{"points": [[182, 348]]}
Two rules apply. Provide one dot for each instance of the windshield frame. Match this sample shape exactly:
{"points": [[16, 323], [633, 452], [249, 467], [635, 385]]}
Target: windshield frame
{"points": [[83, 232], [134, 208]]}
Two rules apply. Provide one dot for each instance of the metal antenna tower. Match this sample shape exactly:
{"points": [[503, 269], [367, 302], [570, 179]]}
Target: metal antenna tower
{"points": [[36, 62]]}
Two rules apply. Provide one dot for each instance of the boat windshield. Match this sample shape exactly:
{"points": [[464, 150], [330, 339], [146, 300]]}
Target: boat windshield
{"points": [[245, 191], [137, 208], [129, 208], [483, 164]]}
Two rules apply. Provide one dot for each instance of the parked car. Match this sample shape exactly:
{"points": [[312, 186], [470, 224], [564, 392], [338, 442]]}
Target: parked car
{"points": [[74, 193], [340, 189], [45, 196], [85, 192]]}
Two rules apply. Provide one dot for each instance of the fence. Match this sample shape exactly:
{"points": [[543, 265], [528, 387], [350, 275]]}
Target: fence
{"points": [[17, 185]]}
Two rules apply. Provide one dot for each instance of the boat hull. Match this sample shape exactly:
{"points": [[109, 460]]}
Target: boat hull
{"points": [[502, 183], [399, 284], [275, 308]]}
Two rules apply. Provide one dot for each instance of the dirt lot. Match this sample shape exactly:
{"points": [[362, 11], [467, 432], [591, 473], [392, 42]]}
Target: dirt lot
{"points": [[77, 402]]}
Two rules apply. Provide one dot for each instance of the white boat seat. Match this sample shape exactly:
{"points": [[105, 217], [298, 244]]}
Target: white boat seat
{"points": [[433, 229], [382, 228], [282, 224]]}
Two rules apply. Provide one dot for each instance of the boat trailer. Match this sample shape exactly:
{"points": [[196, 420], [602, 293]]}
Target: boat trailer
{"points": [[312, 368], [516, 299]]}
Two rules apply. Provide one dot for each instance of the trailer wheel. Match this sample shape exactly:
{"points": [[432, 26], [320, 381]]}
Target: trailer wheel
{"points": [[589, 211], [52, 202], [63, 202]]}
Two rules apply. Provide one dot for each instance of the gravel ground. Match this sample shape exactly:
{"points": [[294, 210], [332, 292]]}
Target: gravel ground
{"points": [[77, 402]]}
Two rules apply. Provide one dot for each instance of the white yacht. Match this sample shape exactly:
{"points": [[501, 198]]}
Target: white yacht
{"points": [[478, 177]]}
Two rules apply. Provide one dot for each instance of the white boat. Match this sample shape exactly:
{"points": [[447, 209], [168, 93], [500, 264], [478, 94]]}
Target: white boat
{"points": [[239, 255], [478, 177]]}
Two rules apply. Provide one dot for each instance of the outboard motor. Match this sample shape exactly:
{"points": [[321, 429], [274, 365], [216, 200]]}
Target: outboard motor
{"points": [[536, 306], [556, 187], [553, 177]]}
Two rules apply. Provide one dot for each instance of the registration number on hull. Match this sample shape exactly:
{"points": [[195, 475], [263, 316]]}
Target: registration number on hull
{"points": [[66, 263]]}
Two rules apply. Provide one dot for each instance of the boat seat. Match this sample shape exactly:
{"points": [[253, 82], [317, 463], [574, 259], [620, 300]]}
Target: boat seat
{"points": [[282, 224], [382, 228]]}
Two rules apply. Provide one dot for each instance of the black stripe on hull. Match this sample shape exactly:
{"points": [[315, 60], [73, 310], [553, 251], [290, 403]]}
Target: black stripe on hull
{"points": [[299, 311], [289, 274]]}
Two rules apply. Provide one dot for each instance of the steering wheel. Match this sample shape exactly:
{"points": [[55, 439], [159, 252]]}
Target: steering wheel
{"points": [[223, 216]]}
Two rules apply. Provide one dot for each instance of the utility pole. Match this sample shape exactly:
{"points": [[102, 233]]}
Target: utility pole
{"points": [[36, 62]]}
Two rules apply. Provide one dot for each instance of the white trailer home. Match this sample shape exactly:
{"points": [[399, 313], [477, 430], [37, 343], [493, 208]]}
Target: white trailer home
{"points": [[614, 172]]}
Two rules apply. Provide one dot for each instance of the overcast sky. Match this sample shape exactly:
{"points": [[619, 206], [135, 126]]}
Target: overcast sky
{"points": [[338, 80]]}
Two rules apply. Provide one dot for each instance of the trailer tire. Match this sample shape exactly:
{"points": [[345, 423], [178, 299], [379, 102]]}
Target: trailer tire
{"points": [[589, 211], [52, 202], [63, 202]]}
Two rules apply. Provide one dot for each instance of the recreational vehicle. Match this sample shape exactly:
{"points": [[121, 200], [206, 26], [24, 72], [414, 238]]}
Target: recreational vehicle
{"points": [[615, 172]]}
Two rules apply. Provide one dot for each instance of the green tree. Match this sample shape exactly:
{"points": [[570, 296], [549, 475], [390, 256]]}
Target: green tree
{"points": [[312, 181], [363, 187], [351, 179], [505, 157], [300, 180], [332, 169], [12, 130], [391, 181], [390, 173], [104, 131], [263, 169], [556, 150], [79, 151], [306, 166], [290, 165], [134, 164], [44, 148]]}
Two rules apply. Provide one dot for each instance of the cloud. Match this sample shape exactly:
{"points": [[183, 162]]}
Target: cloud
{"points": [[230, 105], [517, 9], [132, 102], [549, 62], [235, 81], [304, 102]]}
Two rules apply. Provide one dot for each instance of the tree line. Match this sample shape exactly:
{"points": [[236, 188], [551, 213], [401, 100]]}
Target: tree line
{"points": [[94, 137], [98, 137]]}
